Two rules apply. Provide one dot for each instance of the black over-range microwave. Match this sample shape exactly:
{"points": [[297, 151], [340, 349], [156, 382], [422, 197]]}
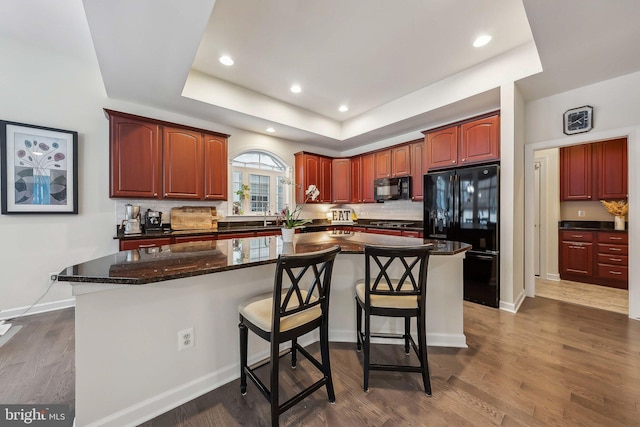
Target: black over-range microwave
{"points": [[392, 188]]}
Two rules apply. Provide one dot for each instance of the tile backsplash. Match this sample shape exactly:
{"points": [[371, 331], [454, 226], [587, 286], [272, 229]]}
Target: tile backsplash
{"points": [[393, 210]]}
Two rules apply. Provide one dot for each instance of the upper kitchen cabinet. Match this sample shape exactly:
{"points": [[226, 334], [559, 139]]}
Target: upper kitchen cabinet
{"points": [[594, 171], [575, 173], [136, 160], [326, 177], [400, 160], [341, 177], [480, 141], [392, 162], [356, 179], [183, 164], [612, 169], [383, 164], [471, 142], [367, 177], [417, 171], [215, 166], [155, 159], [316, 170], [442, 148]]}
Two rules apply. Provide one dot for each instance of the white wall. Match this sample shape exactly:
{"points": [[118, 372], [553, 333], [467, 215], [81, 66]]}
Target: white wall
{"points": [[549, 212], [616, 114]]}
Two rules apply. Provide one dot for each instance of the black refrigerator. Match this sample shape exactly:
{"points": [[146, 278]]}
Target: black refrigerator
{"points": [[463, 205]]}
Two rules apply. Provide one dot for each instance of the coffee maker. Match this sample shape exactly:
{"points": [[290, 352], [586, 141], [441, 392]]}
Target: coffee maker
{"points": [[152, 220], [132, 219]]}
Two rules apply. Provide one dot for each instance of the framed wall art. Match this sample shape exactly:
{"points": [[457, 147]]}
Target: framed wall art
{"points": [[39, 169]]}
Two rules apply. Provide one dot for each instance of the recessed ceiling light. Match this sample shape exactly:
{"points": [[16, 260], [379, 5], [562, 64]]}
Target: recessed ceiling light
{"points": [[481, 41], [226, 60], [296, 89], [343, 108], [271, 130]]}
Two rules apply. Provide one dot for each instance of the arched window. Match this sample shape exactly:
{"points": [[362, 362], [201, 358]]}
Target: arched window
{"points": [[259, 184]]}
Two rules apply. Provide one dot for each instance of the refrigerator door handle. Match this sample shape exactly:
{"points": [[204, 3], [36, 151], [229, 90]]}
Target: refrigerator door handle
{"points": [[456, 199]]}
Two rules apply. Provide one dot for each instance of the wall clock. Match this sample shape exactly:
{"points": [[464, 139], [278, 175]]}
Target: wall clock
{"points": [[578, 120]]}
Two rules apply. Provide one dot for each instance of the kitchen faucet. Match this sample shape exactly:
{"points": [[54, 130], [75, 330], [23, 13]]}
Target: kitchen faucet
{"points": [[266, 208]]}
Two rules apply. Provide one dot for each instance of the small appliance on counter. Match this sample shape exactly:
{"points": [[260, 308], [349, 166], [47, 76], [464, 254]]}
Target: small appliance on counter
{"points": [[152, 220], [132, 219]]}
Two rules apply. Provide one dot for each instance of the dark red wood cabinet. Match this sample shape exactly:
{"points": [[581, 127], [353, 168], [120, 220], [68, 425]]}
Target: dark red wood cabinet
{"points": [[401, 160], [470, 142], [341, 185], [182, 164], [356, 179], [596, 171], [383, 164], [326, 177], [480, 141], [126, 245], [612, 169], [313, 169], [417, 171], [135, 157], [368, 176], [154, 159], [442, 148], [598, 257], [576, 172]]}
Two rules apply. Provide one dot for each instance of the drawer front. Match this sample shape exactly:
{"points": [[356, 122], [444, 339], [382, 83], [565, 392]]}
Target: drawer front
{"points": [[126, 245], [576, 236], [613, 272], [613, 249], [613, 238], [412, 233], [613, 259]]}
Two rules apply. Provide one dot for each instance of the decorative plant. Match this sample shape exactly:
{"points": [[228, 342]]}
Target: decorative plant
{"points": [[617, 208], [291, 218], [243, 192]]}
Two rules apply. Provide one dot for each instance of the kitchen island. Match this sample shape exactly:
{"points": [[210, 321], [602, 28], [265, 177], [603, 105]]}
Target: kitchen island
{"points": [[131, 308]]}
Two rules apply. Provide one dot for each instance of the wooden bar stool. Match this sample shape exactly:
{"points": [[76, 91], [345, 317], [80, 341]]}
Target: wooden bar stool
{"points": [[299, 304], [384, 294]]}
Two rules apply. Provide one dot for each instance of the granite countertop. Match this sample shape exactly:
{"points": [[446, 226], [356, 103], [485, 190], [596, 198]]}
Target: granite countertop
{"points": [[589, 225], [249, 226], [149, 265]]}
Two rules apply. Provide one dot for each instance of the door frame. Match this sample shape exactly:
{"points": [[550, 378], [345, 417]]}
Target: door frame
{"points": [[633, 143]]}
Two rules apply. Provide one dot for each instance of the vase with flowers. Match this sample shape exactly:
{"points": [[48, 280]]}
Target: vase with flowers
{"points": [[290, 219], [619, 209]]}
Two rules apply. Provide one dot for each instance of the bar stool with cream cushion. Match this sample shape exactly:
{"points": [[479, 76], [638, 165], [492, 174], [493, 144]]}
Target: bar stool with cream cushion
{"points": [[299, 304], [394, 286]]}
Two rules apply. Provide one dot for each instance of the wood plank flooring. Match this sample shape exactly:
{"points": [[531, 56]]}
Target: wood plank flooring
{"points": [[594, 296], [552, 364]]}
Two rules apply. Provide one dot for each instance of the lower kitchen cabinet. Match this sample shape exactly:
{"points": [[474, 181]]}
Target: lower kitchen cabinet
{"points": [[598, 257]]}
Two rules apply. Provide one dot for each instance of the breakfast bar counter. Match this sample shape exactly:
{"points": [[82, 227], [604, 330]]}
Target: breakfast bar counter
{"points": [[133, 306]]}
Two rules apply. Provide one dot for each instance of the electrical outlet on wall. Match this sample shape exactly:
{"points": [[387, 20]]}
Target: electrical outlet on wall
{"points": [[186, 339], [581, 213]]}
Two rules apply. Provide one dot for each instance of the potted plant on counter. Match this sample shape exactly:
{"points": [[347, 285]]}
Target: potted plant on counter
{"points": [[291, 218], [619, 209]]}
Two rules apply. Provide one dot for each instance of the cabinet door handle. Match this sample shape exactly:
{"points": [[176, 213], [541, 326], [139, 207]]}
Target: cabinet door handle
{"points": [[615, 272], [147, 246], [577, 247], [615, 259], [615, 238], [453, 161], [615, 249], [576, 235], [464, 160]]}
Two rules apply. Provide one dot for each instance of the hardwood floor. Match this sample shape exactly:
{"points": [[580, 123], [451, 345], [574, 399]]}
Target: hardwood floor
{"points": [[594, 296], [552, 364]]}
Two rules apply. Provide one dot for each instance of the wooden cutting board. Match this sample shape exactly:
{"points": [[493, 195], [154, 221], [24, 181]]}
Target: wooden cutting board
{"points": [[194, 218]]}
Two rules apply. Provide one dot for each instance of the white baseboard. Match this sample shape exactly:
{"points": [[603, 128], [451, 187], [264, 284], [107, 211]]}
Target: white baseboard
{"points": [[150, 408], [513, 307], [38, 308], [553, 277]]}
